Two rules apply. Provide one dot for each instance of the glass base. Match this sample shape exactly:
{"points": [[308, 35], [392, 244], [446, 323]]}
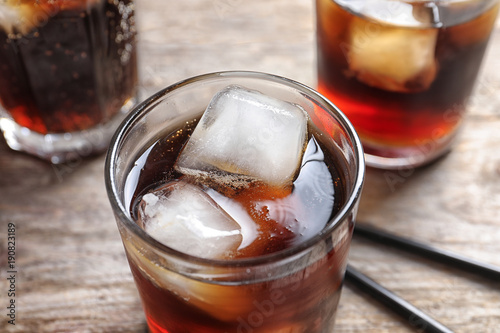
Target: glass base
{"points": [[64, 147], [393, 158]]}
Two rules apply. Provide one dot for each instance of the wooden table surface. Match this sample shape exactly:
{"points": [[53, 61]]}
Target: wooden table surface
{"points": [[72, 275]]}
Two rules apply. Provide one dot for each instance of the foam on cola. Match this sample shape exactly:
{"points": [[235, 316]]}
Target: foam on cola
{"points": [[282, 195]]}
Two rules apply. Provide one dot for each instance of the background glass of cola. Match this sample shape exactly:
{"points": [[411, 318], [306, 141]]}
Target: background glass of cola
{"points": [[402, 71], [295, 289], [67, 74]]}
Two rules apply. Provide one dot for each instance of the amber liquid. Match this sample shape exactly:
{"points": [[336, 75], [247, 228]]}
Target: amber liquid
{"points": [[72, 71], [414, 117], [303, 301]]}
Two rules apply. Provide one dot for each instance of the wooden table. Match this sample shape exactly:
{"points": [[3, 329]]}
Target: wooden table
{"points": [[72, 275]]}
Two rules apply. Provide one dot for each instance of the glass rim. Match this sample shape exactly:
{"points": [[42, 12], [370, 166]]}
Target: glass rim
{"points": [[121, 212]]}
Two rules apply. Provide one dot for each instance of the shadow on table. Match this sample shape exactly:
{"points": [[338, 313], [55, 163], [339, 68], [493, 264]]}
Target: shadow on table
{"points": [[19, 170]]}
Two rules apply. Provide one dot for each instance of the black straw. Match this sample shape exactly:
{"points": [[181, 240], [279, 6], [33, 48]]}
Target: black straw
{"points": [[429, 252], [415, 317]]}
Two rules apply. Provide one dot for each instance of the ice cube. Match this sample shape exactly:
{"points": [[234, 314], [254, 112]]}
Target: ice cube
{"points": [[224, 302], [392, 58], [10, 17], [185, 218], [249, 229], [248, 135], [24, 16], [309, 207], [18, 17]]}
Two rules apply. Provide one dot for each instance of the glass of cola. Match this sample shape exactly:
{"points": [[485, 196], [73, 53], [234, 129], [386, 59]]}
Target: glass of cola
{"points": [[235, 194]]}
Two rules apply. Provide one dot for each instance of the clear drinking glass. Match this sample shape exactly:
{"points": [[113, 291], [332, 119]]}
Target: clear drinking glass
{"points": [[68, 74], [402, 71], [293, 290]]}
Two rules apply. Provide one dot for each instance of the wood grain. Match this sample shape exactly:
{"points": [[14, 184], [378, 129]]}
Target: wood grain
{"points": [[72, 272]]}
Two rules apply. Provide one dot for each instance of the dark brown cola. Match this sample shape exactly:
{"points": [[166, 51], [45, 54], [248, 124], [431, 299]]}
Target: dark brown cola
{"points": [[402, 71], [66, 66], [260, 306]]}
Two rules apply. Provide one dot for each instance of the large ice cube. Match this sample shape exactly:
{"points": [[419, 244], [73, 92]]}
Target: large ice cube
{"points": [[185, 218], [392, 58], [246, 133], [309, 208]]}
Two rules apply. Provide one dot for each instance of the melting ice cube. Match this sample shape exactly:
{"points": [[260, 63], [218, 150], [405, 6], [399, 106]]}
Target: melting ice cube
{"points": [[185, 218], [249, 229], [308, 209], [246, 133], [16, 16], [9, 17], [392, 58], [226, 303]]}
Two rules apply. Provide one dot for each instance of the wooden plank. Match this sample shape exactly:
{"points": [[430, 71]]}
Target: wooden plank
{"points": [[73, 275]]}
